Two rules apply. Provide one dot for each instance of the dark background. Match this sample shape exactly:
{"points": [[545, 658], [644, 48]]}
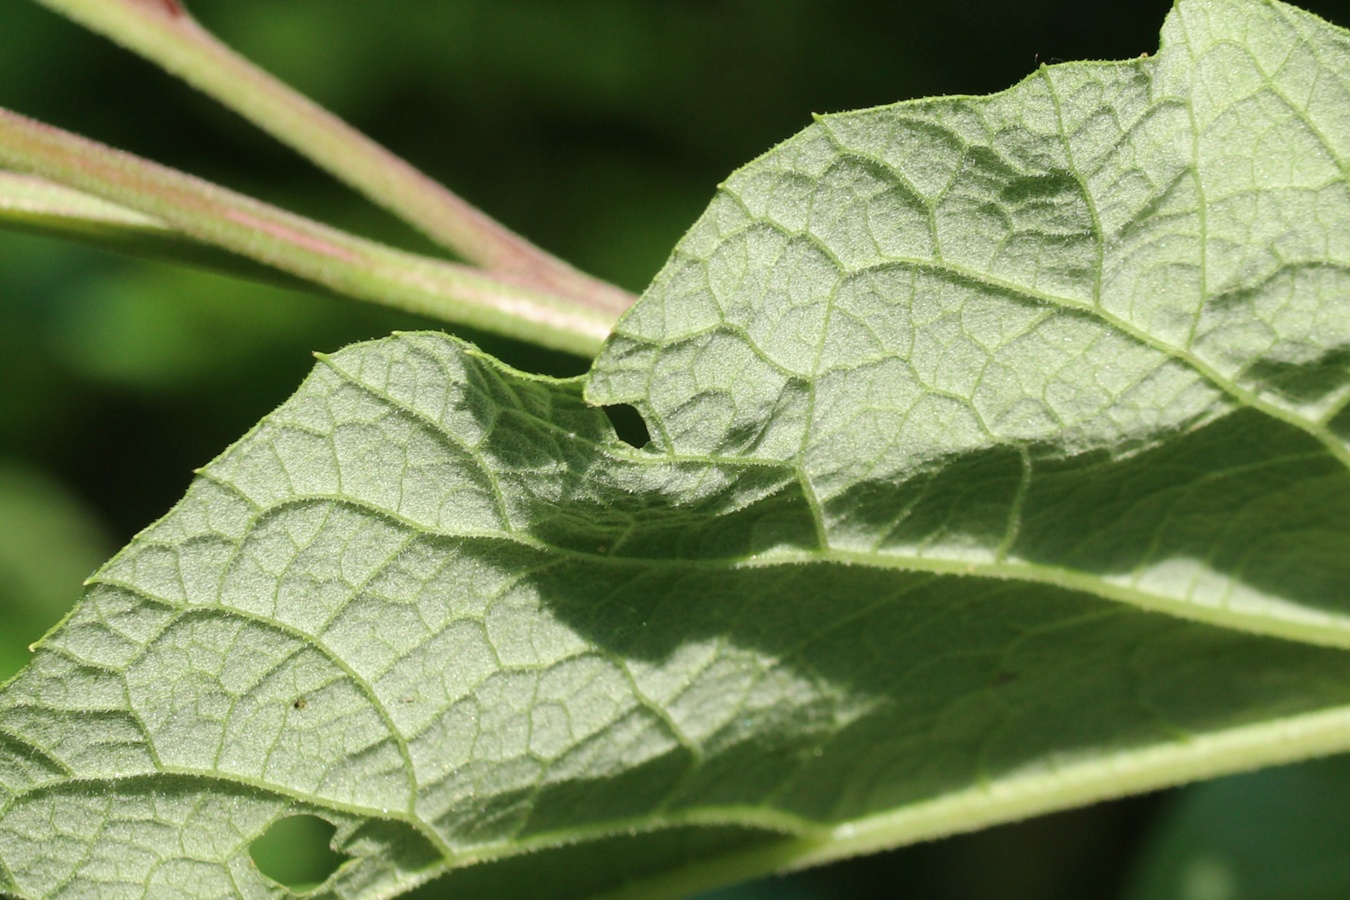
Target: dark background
{"points": [[596, 127]]}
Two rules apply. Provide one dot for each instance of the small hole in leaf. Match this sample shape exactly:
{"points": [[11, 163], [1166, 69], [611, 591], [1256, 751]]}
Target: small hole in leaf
{"points": [[628, 424], [295, 853]]}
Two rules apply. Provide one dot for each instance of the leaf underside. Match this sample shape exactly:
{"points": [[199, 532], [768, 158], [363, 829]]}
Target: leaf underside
{"points": [[999, 464]]}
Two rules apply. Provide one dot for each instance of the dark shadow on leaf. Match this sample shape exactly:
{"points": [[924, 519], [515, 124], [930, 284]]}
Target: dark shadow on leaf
{"points": [[592, 868], [1304, 383], [833, 691], [915, 684], [629, 652]]}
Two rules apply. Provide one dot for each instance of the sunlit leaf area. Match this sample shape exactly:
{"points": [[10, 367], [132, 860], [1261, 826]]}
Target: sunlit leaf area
{"points": [[967, 459]]}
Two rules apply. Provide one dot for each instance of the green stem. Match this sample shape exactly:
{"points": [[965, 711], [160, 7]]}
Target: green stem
{"points": [[339, 261], [163, 32], [36, 206]]}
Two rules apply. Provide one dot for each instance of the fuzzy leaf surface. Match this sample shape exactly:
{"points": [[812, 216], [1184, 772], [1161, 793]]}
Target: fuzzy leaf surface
{"points": [[999, 464]]}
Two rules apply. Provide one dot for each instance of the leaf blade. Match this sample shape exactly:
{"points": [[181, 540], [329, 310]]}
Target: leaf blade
{"points": [[440, 604], [919, 336], [636, 643]]}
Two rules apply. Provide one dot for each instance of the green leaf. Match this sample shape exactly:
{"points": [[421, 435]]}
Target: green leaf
{"points": [[999, 464]]}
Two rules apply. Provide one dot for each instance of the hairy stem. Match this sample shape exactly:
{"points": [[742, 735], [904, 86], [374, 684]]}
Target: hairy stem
{"points": [[500, 302], [163, 32], [37, 206]]}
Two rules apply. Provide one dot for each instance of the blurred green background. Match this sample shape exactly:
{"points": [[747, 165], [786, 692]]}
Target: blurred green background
{"points": [[598, 128]]}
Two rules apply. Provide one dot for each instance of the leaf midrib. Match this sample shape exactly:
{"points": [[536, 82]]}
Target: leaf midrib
{"points": [[1317, 629], [1019, 795]]}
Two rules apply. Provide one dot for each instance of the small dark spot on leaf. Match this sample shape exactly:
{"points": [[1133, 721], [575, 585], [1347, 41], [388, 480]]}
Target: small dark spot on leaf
{"points": [[296, 852], [300, 703], [1003, 678], [628, 424]]}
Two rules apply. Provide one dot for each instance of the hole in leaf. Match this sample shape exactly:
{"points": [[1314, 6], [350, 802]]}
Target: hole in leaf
{"points": [[295, 853], [628, 424]]}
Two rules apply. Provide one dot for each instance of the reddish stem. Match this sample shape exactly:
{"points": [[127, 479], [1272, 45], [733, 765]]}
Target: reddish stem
{"points": [[172, 8]]}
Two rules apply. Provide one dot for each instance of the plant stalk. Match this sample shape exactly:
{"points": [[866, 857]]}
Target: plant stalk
{"points": [[36, 206], [163, 32], [499, 302]]}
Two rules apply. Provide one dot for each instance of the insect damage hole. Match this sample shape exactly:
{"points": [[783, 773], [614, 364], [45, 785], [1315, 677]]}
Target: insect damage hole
{"points": [[296, 852], [628, 424]]}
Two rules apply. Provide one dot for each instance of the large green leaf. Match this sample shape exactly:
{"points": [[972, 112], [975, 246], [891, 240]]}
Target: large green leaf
{"points": [[999, 464]]}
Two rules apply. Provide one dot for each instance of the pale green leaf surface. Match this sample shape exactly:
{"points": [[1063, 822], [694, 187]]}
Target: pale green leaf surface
{"points": [[999, 464], [998, 295]]}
